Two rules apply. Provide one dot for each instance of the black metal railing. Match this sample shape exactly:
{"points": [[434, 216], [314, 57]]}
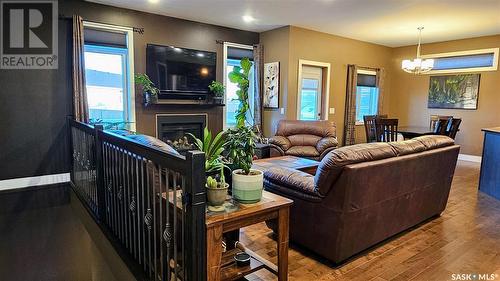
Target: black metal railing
{"points": [[149, 201]]}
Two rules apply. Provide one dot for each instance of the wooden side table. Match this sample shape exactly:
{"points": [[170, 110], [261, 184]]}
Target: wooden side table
{"points": [[236, 216]]}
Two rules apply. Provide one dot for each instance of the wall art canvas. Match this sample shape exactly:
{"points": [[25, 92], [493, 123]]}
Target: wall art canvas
{"points": [[271, 85], [454, 91]]}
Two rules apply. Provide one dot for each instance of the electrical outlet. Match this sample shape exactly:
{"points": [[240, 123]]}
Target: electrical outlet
{"points": [[332, 110], [282, 110]]}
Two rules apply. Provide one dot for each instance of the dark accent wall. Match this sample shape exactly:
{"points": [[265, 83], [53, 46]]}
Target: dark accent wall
{"points": [[34, 103]]}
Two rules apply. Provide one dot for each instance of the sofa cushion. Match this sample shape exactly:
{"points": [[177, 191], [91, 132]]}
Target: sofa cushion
{"points": [[295, 127], [435, 141], [326, 143], [290, 178], [303, 151], [333, 163], [407, 147], [281, 142], [304, 140]]}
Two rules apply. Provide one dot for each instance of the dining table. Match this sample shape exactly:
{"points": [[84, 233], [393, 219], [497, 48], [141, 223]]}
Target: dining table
{"points": [[409, 132]]}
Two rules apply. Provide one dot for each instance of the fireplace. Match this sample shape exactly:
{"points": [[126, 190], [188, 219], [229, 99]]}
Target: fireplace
{"points": [[174, 130]]}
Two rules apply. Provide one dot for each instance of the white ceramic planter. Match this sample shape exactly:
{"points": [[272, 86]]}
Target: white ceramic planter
{"points": [[248, 188]]}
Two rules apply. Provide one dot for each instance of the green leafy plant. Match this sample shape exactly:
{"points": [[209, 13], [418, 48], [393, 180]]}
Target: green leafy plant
{"points": [[213, 149], [217, 89], [239, 75], [147, 85], [241, 147]]}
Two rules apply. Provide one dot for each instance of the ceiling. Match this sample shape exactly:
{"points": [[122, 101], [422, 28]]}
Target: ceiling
{"points": [[387, 22]]}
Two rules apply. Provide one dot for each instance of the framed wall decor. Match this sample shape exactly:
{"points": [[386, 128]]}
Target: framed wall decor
{"points": [[271, 85], [459, 91]]}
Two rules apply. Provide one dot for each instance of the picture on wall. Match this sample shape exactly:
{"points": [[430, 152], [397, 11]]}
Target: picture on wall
{"points": [[271, 85], [454, 91]]}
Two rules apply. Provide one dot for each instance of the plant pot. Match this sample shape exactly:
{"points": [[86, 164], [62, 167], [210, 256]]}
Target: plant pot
{"points": [[248, 188], [217, 196], [218, 100], [149, 99]]}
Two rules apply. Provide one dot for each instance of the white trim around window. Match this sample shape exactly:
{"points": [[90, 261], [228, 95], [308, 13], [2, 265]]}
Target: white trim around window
{"points": [[494, 67], [129, 32], [227, 45], [325, 91]]}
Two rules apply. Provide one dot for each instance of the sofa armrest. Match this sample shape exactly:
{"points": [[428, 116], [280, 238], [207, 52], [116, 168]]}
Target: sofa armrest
{"points": [[291, 179], [326, 143], [280, 142]]}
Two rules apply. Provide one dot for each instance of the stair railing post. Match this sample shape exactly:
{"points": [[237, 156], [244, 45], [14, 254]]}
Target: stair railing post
{"points": [[99, 167]]}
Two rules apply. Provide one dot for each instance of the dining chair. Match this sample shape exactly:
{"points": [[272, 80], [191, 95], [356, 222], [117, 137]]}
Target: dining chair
{"points": [[454, 128], [441, 127], [435, 119], [370, 130], [386, 129]]}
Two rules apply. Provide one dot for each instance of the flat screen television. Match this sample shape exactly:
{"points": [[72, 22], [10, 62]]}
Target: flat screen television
{"points": [[180, 73]]}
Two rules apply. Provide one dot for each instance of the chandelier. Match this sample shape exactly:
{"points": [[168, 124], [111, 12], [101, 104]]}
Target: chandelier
{"points": [[418, 65]]}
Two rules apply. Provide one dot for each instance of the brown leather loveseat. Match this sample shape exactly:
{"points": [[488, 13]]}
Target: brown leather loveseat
{"points": [[308, 139], [364, 194]]}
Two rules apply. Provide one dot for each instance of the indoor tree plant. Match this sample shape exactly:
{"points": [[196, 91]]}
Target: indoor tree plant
{"points": [[247, 183], [217, 89], [149, 90]]}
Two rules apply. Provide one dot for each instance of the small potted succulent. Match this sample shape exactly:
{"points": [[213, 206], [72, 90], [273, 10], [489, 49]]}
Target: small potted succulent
{"points": [[217, 90], [149, 90], [216, 191]]}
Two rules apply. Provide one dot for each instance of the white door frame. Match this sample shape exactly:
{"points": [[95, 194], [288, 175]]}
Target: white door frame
{"points": [[325, 87], [226, 45], [129, 32]]}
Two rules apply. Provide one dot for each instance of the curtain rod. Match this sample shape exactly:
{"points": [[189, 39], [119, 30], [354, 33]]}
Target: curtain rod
{"points": [[139, 30]]}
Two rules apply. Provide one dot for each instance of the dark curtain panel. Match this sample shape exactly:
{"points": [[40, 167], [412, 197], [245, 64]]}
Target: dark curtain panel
{"points": [[258, 58], [350, 105], [380, 86], [80, 105]]}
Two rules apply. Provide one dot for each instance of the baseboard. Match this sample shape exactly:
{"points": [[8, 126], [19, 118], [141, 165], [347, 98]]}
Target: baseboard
{"points": [[470, 158], [34, 181]]}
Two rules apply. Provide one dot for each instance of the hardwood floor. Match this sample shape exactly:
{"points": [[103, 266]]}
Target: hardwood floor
{"points": [[465, 239]]}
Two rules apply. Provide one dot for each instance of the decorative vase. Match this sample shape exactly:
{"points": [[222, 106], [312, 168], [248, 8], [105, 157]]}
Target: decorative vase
{"points": [[247, 188], [217, 196]]}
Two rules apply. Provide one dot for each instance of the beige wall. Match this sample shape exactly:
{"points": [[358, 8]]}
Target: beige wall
{"points": [[410, 93], [276, 48], [405, 95], [316, 46]]}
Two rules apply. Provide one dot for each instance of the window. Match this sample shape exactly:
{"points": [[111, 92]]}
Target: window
{"points": [[466, 61], [108, 60], [233, 55], [310, 94], [367, 94], [106, 83], [313, 90]]}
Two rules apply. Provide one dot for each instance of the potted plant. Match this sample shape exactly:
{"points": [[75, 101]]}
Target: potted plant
{"points": [[247, 183], [214, 167], [217, 89], [149, 91], [216, 192]]}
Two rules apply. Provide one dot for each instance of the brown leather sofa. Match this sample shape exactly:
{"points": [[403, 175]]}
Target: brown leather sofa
{"points": [[308, 139], [366, 193]]}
